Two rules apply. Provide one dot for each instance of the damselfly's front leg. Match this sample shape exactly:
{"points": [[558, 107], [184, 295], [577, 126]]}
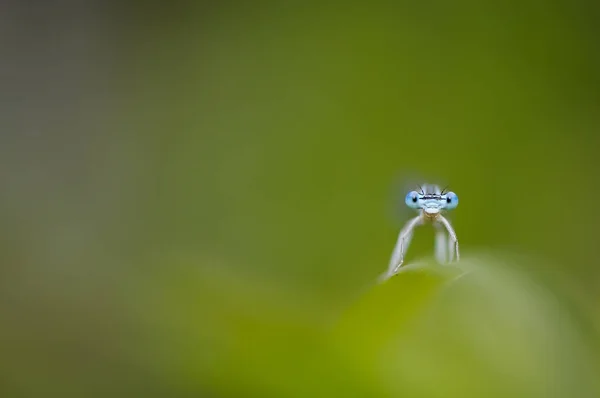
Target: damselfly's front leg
{"points": [[453, 240], [442, 242], [402, 245]]}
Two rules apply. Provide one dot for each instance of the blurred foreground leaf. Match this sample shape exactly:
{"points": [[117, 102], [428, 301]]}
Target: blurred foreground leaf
{"points": [[479, 329]]}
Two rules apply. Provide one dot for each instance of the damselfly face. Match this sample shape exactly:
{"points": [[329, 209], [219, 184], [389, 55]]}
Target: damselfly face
{"points": [[431, 200]]}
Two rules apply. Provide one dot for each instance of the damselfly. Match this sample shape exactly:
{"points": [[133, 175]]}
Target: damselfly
{"points": [[430, 201]]}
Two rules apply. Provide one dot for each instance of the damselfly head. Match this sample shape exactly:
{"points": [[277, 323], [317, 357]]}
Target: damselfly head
{"points": [[431, 199]]}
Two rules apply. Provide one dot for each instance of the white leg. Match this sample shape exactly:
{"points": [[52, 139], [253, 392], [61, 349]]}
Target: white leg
{"points": [[442, 248], [453, 239], [451, 246], [402, 245]]}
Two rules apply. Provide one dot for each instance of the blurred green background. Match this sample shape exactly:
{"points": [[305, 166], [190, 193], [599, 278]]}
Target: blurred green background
{"points": [[198, 198]]}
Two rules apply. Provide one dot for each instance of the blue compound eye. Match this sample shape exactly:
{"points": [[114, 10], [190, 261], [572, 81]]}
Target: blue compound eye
{"points": [[451, 200], [412, 200]]}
